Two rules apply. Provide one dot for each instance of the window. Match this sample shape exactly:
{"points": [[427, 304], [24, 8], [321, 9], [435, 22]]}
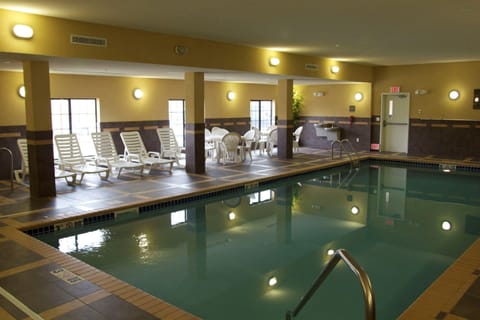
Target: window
{"points": [[261, 197], [176, 118], [262, 114], [79, 116]]}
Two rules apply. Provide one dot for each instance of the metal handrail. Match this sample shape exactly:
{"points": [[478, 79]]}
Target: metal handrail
{"points": [[333, 144], [368, 296], [11, 165]]}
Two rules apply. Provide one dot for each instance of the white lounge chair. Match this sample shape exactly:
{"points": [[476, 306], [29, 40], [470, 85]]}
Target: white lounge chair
{"points": [[169, 148], [250, 142], [107, 155], [23, 172], [135, 151], [71, 158], [296, 134]]}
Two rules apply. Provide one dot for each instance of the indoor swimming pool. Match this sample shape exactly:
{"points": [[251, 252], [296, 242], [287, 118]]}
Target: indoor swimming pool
{"points": [[218, 258]]}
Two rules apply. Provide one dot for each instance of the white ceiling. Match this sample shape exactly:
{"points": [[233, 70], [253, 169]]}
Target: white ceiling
{"points": [[373, 32]]}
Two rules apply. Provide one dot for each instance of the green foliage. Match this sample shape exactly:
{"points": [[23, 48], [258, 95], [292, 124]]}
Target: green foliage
{"points": [[297, 105]]}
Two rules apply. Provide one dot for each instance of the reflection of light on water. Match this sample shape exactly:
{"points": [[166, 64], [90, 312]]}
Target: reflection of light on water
{"points": [[142, 243], [89, 241]]}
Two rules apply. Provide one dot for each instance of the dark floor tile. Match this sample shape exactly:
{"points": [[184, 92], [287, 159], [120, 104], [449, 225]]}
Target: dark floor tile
{"points": [[474, 289], [115, 308], [83, 313], [468, 307], [40, 290], [11, 308], [13, 255]]}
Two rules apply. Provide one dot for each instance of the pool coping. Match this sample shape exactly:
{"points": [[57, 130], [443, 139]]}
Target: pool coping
{"points": [[431, 304]]}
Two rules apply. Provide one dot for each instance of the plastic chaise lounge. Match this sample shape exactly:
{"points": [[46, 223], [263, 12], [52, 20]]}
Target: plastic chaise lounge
{"points": [[135, 151], [169, 148], [71, 158], [23, 172], [107, 155]]}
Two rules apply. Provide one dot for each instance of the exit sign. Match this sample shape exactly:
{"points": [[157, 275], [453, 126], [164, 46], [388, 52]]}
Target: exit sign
{"points": [[395, 89]]}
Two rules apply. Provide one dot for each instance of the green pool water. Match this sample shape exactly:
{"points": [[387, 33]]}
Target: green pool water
{"points": [[214, 257]]}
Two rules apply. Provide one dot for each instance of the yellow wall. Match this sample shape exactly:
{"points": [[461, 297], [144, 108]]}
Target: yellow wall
{"points": [[116, 100], [12, 106], [336, 101], [217, 105], [438, 79], [52, 38]]}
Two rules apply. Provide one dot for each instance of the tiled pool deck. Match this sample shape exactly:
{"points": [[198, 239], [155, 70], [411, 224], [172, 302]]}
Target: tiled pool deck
{"points": [[39, 282]]}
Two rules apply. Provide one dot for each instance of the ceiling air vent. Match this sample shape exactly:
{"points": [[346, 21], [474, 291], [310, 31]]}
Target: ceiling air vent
{"points": [[88, 41], [311, 66]]}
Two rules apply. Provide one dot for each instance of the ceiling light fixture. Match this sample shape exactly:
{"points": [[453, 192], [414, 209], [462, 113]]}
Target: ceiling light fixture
{"points": [[334, 69], [454, 94], [274, 61], [22, 31], [138, 94]]}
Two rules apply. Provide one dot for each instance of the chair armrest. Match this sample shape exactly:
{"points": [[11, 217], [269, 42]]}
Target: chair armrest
{"points": [[153, 154]]}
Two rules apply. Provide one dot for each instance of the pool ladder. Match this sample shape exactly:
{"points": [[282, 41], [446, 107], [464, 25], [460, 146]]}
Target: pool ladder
{"points": [[352, 155], [368, 297]]}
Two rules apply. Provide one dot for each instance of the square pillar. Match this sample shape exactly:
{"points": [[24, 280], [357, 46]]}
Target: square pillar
{"points": [[195, 122], [285, 119]]}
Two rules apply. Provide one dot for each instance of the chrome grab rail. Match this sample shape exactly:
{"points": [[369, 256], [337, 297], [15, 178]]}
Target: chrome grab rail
{"points": [[368, 296], [350, 155], [11, 165]]}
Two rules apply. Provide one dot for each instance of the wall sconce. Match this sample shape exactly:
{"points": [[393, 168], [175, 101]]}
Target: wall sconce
{"points": [[421, 92], [355, 210], [231, 216], [231, 95], [22, 31], [454, 94], [334, 69], [358, 96], [21, 91], [274, 61], [319, 94], [138, 94]]}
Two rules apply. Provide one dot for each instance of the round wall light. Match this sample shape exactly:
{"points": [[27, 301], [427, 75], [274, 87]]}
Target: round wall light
{"points": [[355, 210], [330, 252], [334, 69], [358, 96], [454, 94], [21, 91], [138, 94], [22, 31], [231, 215], [274, 61], [231, 95]]}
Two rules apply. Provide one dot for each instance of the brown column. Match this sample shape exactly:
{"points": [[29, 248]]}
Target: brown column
{"points": [[195, 122], [39, 128], [285, 118]]}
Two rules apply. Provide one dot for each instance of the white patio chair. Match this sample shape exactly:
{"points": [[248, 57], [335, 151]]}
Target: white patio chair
{"points": [[107, 155], [249, 142], [135, 151], [71, 158], [296, 135], [272, 141], [23, 172], [169, 148], [209, 144], [230, 148], [216, 131]]}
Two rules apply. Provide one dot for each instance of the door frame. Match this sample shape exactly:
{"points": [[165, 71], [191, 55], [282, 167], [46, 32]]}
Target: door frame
{"points": [[382, 116]]}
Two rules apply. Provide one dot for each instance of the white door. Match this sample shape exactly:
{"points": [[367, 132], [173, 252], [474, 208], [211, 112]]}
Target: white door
{"points": [[394, 122]]}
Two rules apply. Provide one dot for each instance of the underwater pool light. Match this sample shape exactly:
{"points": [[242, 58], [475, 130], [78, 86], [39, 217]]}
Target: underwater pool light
{"points": [[446, 225], [272, 281]]}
